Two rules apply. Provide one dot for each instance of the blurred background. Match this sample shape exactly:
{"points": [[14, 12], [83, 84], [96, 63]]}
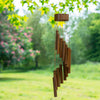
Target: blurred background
{"points": [[27, 53]]}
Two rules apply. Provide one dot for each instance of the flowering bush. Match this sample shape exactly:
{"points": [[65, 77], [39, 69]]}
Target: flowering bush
{"points": [[15, 44]]}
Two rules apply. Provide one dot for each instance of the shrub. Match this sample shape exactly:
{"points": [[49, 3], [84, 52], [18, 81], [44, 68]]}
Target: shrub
{"points": [[15, 44]]}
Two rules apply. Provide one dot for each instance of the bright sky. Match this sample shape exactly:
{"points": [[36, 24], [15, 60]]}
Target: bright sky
{"points": [[76, 13]]}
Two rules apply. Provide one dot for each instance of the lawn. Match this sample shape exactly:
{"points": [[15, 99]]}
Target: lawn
{"points": [[82, 84]]}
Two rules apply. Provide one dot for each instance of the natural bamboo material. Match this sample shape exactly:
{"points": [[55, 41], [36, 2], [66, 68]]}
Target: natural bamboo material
{"points": [[61, 74], [69, 59], [58, 79], [61, 17], [64, 52], [55, 75], [64, 70], [54, 87], [61, 48]]}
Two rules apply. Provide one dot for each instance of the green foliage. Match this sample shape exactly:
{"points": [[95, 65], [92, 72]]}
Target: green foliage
{"points": [[85, 39], [14, 18], [48, 40], [94, 43], [38, 30], [45, 6], [43, 38]]}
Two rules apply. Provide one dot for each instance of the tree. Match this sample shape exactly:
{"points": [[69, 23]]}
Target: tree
{"points": [[15, 44], [62, 7], [38, 30], [43, 38], [94, 43], [85, 39]]}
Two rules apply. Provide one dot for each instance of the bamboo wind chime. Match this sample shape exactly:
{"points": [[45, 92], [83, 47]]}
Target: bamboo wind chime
{"points": [[61, 48]]}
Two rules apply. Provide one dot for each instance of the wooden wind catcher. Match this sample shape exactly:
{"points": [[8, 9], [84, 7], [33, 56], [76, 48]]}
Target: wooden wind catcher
{"points": [[61, 73]]}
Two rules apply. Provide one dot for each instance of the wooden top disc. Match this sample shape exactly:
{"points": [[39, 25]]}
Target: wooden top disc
{"points": [[61, 17]]}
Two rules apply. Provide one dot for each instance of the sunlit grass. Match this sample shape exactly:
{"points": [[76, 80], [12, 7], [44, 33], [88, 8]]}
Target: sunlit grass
{"points": [[82, 84]]}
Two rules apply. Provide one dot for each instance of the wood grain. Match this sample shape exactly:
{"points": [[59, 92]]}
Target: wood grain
{"points": [[55, 75], [66, 54], [54, 87], [61, 17], [64, 70], [61, 74]]}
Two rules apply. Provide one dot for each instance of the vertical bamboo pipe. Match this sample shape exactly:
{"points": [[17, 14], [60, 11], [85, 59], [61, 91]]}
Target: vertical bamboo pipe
{"points": [[69, 60], [63, 50], [61, 75], [64, 70], [61, 47], [54, 73], [57, 74], [66, 55], [54, 87]]}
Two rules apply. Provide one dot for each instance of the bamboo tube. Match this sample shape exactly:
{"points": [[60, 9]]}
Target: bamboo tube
{"points": [[64, 70], [63, 50], [66, 55], [54, 87], [58, 81], [69, 60], [61, 75], [54, 73]]}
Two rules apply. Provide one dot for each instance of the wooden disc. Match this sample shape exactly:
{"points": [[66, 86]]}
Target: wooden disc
{"points": [[61, 17]]}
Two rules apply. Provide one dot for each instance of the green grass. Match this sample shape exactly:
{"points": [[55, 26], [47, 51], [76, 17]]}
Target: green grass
{"points": [[82, 84]]}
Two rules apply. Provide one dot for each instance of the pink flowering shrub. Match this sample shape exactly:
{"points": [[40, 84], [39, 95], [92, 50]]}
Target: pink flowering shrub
{"points": [[16, 44]]}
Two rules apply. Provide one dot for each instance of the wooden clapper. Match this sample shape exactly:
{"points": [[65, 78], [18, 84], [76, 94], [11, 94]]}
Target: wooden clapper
{"points": [[61, 73]]}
